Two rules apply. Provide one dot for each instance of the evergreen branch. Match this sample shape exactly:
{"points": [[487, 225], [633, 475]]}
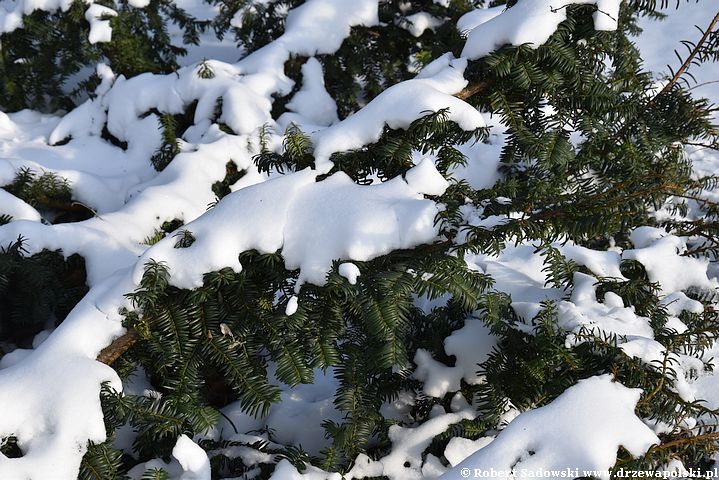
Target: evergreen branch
{"points": [[675, 78], [687, 62], [712, 436]]}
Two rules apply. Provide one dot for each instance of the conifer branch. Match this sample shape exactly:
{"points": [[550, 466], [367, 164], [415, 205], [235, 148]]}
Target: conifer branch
{"points": [[688, 61], [675, 78], [712, 436]]}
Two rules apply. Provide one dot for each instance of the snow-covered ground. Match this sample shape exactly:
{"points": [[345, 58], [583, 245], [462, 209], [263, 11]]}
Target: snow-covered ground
{"points": [[49, 395]]}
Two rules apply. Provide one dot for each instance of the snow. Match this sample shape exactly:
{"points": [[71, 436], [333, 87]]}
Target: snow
{"points": [[482, 168], [292, 305], [460, 448], [312, 102], [16, 208], [661, 257], [398, 106], [603, 264], [315, 27], [296, 419], [190, 462], [312, 223], [426, 179], [417, 23], [49, 394], [529, 22], [581, 429], [100, 30], [405, 461], [474, 18], [471, 345], [192, 459], [350, 272]]}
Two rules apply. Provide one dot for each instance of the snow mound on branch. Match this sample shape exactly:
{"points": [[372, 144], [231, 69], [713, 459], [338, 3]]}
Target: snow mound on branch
{"points": [[190, 463], [405, 462], [475, 18], [16, 208], [111, 241], [100, 30], [312, 223], [50, 402], [400, 105], [471, 345], [315, 27], [529, 22], [312, 101], [581, 429], [417, 23], [12, 12], [584, 312], [661, 255]]}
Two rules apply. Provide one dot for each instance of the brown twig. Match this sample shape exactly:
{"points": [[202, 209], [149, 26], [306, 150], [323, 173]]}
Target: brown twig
{"points": [[688, 60], [675, 78], [120, 345], [683, 441], [473, 89]]}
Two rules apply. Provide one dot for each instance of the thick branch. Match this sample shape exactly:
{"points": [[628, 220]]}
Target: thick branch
{"points": [[473, 89], [119, 346]]}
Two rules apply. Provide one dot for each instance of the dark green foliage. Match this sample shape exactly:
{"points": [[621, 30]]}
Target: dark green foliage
{"points": [[371, 59], [296, 153], [170, 147], [232, 175], [50, 47], [591, 151], [260, 22], [206, 347], [37, 60], [165, 228], [40, 190], [158, 422], [630, 160], [10, 448], [101, 462], [386, 55], [155, 474], [530, 370], [140, 40], [50, 194], [184, 239], [36, 292], [391, 156]]}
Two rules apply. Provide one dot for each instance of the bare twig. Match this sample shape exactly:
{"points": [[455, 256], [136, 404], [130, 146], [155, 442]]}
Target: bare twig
{"points": [[119, 346], [473, 89]]}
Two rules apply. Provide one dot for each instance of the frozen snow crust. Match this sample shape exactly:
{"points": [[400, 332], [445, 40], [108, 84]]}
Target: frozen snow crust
{"points": [[49, 396]]}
